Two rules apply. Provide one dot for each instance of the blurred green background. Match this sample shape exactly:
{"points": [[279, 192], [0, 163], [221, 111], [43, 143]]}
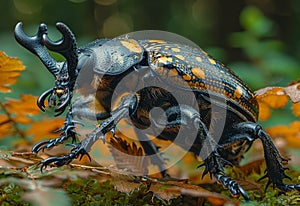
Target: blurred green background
{"points": [[258, 39]]}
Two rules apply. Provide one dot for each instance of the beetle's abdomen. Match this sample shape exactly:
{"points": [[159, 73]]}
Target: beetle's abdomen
{"points": [[191, 68]]}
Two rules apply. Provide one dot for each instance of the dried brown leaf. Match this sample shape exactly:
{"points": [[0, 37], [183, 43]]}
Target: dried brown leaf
{"points": [[254, 166], [293, 91], [165, 192], [9, 70], [172, 189], [124, 183], [128, 156]]}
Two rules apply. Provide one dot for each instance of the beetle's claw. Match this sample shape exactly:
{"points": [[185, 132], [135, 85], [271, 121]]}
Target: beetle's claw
{"points": [[243, 192], [39, 146], [57, 161], [42, 98], [47, 144], [77, 152], [214, 165], [234, 187], [288, 187]]}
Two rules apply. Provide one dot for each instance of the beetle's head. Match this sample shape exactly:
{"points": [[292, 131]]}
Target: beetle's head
{"points": [[64, 72]]}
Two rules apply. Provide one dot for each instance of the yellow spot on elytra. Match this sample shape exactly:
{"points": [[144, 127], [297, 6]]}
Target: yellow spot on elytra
{"points": [[199, 59], [173, 72], [187, 77], [132, 45], [157, 41], [238, 92], [165, 60], [175, 49], [198, 72], [212, 61], [179, 56], [162, 71]]}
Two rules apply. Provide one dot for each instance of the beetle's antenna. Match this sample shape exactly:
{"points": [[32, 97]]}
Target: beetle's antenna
{"points": [[66, 47], [35, 45]]}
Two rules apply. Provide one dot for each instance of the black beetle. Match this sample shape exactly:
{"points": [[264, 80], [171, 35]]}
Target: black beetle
{"points": [[171, 65]]}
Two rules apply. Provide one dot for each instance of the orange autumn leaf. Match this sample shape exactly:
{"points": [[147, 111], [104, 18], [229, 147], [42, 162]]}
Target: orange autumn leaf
{"points": [[264, 111], [44, 129], [22, 108], [4, 119], [296, 109], [9, 70], [289, 134], [5, 126], [277, 97]]}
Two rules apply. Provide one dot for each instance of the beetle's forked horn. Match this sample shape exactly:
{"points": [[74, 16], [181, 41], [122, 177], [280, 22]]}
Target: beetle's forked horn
{"points": [[66, 47], [39, 44], [35, 45]]}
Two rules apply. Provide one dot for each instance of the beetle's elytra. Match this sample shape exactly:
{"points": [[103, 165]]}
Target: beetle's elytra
{"points": [[173, 66]]}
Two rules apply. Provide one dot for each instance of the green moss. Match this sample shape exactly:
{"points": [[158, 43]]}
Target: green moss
{"points": [[11, 195], [90, 192]]}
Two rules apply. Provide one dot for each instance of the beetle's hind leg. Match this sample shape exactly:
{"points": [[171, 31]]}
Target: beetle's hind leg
{"points": [[167, 125], [275, 170]]}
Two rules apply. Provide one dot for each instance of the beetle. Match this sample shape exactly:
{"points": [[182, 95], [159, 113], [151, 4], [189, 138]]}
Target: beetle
{"points": [[178, 67]]}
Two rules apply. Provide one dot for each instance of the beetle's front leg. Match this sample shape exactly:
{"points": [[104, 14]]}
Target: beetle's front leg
{"points": [[86, 144], [81, 109], [66, 132], [275, 171]]}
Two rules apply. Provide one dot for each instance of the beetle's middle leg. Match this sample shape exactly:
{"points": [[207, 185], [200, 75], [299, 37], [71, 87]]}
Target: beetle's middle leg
{"points": [[214, 163], [189, 120], [174, 117]]}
